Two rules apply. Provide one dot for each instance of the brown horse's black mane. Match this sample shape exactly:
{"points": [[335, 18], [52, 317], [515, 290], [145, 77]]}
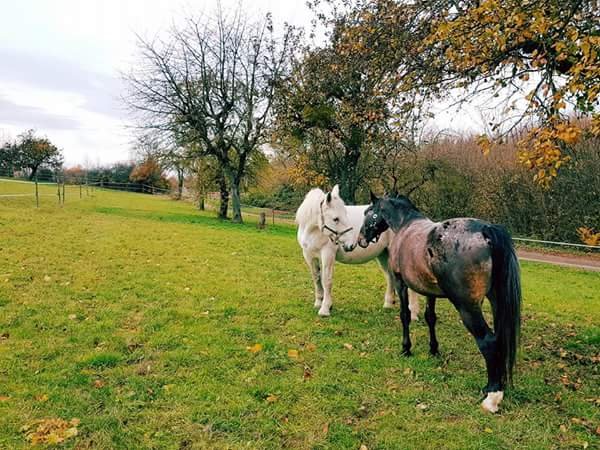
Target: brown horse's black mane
{"points": [[404, 211]]}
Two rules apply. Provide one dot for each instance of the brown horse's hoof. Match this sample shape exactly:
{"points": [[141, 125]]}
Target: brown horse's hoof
{"points": [[492, 401]]}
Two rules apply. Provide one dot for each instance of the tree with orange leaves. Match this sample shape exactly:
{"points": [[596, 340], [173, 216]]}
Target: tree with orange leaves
{"points": [[540, 58]]}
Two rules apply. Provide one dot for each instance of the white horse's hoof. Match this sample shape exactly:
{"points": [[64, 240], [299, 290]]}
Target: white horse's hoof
{"points": [[492, 401], [318, 304], [414, 318], [388, 305], [324, 312]]}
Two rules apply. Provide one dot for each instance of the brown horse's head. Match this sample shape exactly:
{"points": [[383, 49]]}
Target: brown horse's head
{"points": [[386, 212], [374, 223]]}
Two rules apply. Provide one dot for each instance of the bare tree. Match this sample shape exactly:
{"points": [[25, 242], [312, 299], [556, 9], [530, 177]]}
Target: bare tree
{"points": [[211, 82]]}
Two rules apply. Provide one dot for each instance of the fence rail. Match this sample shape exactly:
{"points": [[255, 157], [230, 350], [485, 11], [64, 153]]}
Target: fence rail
{"points": [[272, 215], [565, 244]]}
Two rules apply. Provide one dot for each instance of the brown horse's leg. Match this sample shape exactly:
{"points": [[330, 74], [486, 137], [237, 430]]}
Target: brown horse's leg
{"points": [[431, 319], [402, 291], [472, 317]]}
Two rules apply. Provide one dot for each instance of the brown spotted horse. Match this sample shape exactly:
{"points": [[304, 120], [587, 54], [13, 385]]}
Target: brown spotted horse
{"points": [[463, 260]]}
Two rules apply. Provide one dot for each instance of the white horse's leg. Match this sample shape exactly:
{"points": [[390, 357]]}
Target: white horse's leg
{"points": [[327, 263], [315, 271], [413, 297], [389, 298], [413, 305]]}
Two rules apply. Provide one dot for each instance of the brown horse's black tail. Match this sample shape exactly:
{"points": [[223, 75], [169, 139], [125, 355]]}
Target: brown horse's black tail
{"points": [[506, 286]]}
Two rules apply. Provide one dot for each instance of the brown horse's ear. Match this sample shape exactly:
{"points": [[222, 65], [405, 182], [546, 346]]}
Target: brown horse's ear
{"points": [[373, 197]]}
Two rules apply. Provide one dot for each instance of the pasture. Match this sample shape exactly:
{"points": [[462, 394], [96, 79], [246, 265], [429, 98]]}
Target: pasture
{"points": [[158, 326]]}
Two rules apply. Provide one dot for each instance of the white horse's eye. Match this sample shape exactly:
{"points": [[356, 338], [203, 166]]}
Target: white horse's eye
{"points": [[336, 220]]}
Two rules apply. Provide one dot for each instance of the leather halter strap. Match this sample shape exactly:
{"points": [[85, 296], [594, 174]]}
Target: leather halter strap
{"points": [[335, 235]]}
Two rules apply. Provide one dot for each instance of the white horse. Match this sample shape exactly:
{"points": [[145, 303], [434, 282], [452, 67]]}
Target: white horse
{"points": [[328, 231]]}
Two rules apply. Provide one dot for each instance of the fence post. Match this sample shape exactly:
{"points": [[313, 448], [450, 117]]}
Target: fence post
{"points": [[80, 193], [273, 212], [262, 220], [63, 197], [58, 188], [37, 195]]}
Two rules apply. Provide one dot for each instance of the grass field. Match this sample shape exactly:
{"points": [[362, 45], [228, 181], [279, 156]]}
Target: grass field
{"points": [[139, 316]]}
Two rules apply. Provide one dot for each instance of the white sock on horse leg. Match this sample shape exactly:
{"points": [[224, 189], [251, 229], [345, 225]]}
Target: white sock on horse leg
{"points": [[492, 401], [413, 305]]}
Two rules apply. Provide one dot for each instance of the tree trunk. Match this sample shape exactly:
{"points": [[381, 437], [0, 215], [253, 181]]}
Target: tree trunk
{"points": [[348, 190], [33, 174], [224, 205], [348, 179], [179, 183], [236, 205], [201, 206]]}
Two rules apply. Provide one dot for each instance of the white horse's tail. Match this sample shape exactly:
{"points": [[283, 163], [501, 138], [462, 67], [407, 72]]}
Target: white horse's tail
{"points": [[309, 209]]}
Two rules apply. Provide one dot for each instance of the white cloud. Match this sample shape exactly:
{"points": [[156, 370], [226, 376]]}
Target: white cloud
{"points": [[61, 63]]}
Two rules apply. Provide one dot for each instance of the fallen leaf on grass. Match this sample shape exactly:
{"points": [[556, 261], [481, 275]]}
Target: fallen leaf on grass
{"points": [[271, 398], [574, 385], [4, 336], [255, 348], [47, 278], [50, 431], [307, 373], [99, 384], [293, 353], [144, 369], [422, 406], [72, 316], [4, 398], [348, 346], [563, 428], [42, 398], [326, 428], [488, 430], [310, 347], [364, 447]]}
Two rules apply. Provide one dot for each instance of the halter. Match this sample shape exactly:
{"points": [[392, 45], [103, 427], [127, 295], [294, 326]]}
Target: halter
{"points": [[335, 235]]}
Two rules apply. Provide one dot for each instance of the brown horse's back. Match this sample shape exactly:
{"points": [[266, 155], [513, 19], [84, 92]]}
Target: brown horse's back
{"points": [[460, 255], [445, 259]]}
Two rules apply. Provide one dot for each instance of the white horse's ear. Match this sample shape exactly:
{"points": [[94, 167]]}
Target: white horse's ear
{"points": [[328, 197], [335, 192]]}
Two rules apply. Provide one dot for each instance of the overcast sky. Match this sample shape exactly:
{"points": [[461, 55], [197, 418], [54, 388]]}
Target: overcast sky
{"points": [[60, 62]]}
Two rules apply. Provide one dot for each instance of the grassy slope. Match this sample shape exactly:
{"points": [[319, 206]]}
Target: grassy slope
{"points": [[159, 303]]}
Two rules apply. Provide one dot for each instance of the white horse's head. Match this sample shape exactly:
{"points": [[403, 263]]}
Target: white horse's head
{"points": [[334, 221]]}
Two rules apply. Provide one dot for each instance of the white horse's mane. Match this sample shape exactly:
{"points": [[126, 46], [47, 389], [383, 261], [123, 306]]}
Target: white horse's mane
{"points": [[308, 212]]}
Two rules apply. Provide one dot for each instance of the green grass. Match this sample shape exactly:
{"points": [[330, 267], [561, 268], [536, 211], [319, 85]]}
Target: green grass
{"points": [[134, 313]]}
